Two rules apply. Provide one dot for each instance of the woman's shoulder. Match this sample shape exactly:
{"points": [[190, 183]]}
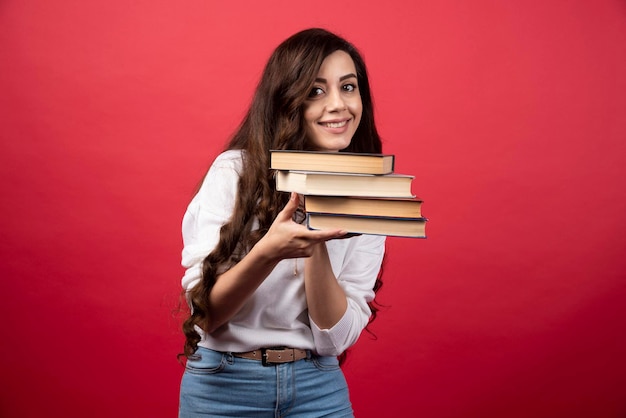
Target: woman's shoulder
{"points": [[229, 158], [230, 161], [221, 179]]}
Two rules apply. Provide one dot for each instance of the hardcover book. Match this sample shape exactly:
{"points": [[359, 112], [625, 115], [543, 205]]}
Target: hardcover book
{"points": [[372, 225], [338, 162], [342, 184], [391, 207]]}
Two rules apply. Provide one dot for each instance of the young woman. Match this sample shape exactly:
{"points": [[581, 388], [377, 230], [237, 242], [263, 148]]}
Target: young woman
{"points": [[274, 304]]}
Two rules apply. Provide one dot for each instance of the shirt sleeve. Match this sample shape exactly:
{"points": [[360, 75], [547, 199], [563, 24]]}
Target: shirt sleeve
{"points": [[210, 208], [357, 277]]}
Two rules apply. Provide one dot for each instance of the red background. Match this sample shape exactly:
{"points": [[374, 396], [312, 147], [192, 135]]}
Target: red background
{"points": [[511, 115]]}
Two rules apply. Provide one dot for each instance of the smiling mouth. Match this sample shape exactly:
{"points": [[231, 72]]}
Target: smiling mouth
{"points": [[334, 124]]}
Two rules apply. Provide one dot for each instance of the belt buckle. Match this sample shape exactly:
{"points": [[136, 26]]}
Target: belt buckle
{"points": [[264, 361]]}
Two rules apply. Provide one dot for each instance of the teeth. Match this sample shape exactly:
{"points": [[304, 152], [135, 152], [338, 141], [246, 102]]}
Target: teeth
{"points": [[335, 124]]}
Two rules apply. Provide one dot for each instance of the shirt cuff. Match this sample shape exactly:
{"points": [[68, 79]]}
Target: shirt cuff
{"points": [[333, 341]]}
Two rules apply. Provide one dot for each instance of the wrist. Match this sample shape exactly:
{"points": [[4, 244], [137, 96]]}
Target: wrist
{"points": [[262, 253]]}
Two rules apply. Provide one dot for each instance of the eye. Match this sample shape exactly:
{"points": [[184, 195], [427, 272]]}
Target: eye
{"points": [[316, 91], [349, 87]]}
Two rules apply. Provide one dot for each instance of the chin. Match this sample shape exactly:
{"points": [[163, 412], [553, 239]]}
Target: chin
{"points": [[332, 144]]}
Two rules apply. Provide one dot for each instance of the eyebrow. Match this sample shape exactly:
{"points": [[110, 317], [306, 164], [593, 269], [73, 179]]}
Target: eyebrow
{"points": [[343, 77]]}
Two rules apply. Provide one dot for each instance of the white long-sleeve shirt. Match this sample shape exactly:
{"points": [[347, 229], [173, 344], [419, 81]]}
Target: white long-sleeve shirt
{"points": [[276, 314]]}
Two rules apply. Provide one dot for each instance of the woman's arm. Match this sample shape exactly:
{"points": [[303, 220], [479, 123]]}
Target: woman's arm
{"points": [[285, 239], [356, 268], [326, 300]]}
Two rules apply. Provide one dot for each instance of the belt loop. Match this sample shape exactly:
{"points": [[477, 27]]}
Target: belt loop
{"points": [[264, 361], [230, 358]]}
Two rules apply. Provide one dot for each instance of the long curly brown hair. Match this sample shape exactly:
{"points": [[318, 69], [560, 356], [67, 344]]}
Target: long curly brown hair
{"points": [[274, 121]]}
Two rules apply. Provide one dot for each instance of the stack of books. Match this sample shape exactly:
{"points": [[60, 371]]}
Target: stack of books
{"points": [[359, 193]]}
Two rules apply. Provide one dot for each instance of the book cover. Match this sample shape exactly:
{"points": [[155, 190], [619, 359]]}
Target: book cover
{"points": [[343, 184], [339, 162], [370, 225], [365, 206]]}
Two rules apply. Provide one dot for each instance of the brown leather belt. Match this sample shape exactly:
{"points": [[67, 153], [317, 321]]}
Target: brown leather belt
{"points": [[269, 356]]}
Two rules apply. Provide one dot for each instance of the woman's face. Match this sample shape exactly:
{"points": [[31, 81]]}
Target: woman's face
{"points": [[333, 110]]}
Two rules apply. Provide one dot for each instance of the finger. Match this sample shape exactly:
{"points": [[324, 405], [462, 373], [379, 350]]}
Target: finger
{"points": [[325, 235], [290, 207]]}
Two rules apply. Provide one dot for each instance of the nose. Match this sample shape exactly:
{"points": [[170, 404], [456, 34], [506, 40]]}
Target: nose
{"points": [[335, 101]]}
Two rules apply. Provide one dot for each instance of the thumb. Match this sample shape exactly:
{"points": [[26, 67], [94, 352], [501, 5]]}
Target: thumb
{"points": [[290, 207]]}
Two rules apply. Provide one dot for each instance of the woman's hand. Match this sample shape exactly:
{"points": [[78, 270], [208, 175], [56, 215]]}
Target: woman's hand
{"points": [[285, 239], [288, 239]]}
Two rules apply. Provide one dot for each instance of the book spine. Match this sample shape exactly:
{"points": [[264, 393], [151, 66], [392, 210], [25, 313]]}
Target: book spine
{"points": [[383, 230], [375, 217]]}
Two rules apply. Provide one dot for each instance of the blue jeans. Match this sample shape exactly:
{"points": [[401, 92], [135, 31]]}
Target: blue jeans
{"points": [[221, 385]]}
